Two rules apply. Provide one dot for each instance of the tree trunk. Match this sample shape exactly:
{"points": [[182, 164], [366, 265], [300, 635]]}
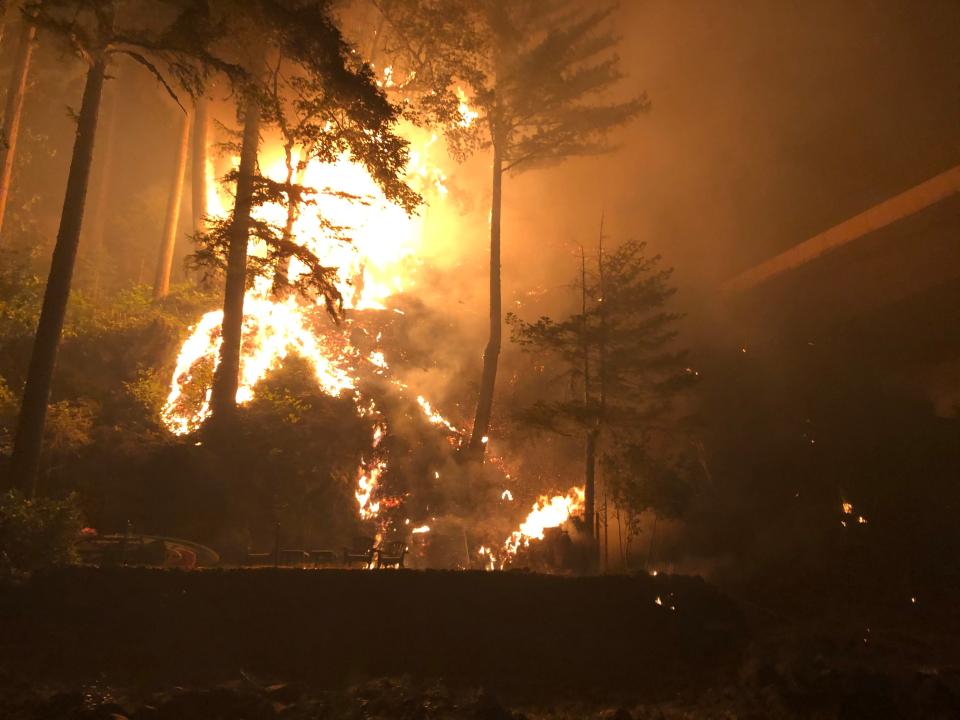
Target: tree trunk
{"points": [[590, 447], [602, 340], [602, 377], [198, 172], [606, 527], [653, 536], [375, 41], [93, 238], [281, 276], [223, 399], [3, 20], [11, 116], [491, 355], [33, 409], [590, 488], [161, 280]]}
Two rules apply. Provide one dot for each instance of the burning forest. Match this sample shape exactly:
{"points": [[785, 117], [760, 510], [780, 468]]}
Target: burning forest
{"points": [[489, 345]]}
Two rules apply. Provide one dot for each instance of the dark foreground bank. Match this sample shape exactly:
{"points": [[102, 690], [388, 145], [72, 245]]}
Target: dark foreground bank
{"points": [[515, 632]]}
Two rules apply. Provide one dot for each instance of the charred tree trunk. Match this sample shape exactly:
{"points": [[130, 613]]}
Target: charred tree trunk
{"points": [[161, 280], [491, 355], [223, 399], [14, 107], [33, 409], [198, 172]]}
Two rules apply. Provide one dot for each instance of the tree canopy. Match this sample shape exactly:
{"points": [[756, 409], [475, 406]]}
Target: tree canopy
{"points": [[613, 369], [538, 73]]}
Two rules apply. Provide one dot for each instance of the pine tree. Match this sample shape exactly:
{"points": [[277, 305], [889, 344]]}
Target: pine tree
{"points": [[95, 214], [235, 235], [619, 351], [91, 29], [536, 71], [326, 104]]}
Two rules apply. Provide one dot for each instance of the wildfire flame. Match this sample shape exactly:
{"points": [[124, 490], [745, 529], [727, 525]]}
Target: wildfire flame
{"points": [[271, 331], [467, 115], [547, 512], [433, 416], [373, 244], [368, 480], [349, 225]]}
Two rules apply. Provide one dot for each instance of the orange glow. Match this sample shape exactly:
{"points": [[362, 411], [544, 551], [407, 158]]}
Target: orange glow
{"points": [[350, 225]]}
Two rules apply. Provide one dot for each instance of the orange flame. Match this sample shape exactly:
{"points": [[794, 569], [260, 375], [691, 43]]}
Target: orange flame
{"points": [[547, 512], [348, 224]]}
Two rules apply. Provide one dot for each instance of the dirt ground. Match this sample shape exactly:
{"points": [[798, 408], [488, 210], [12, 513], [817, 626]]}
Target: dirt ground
{"points": [[131, 643]]}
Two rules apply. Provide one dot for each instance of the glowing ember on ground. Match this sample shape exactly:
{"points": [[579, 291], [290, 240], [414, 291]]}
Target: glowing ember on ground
{"points": [[421, 529], [848, 510]]}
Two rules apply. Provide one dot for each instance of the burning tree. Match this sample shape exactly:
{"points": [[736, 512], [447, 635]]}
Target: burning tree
{"points": [[536, 72], [618, 367], [304, 79]]}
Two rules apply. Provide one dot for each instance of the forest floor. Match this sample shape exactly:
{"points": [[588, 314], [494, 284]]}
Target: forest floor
{"points": [[108, 644]]}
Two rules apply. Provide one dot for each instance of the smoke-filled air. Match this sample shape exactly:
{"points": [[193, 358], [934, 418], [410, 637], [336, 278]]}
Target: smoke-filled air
{"points": [[479, 359]]}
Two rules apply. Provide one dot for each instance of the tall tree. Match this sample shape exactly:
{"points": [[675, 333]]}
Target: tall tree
{"points": [[536, 71], [90, 27], [161, 279], [198, 167], [226, 378], [16, 89], [95, 230], [620, 350], [327, 104]]}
